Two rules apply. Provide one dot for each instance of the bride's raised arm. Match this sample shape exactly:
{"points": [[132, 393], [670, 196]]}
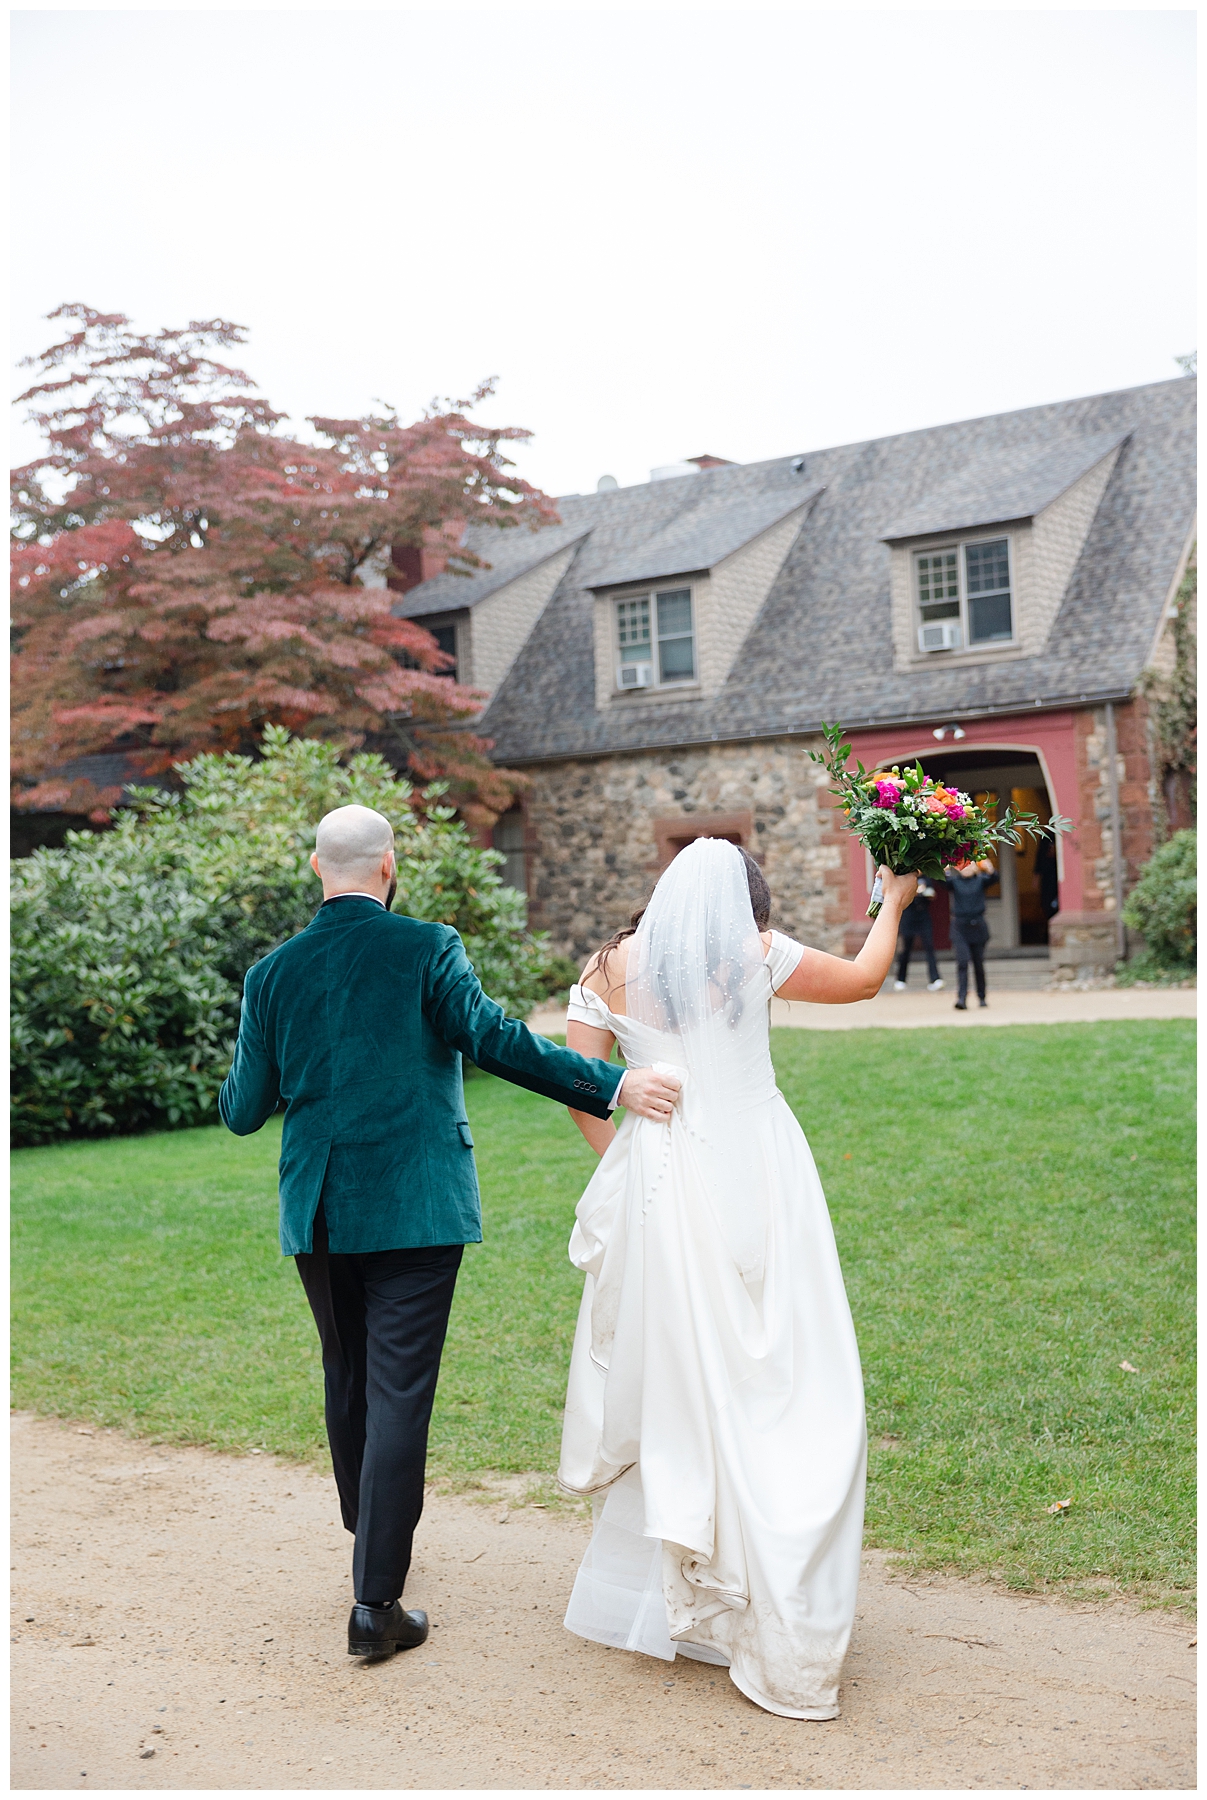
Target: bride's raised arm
{"points": [[831, 980]]}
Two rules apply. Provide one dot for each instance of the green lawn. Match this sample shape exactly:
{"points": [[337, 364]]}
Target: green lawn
{"points": [[1014, 1209]]}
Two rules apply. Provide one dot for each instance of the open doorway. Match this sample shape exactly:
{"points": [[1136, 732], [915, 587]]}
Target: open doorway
{"points": [[1020, 904]]}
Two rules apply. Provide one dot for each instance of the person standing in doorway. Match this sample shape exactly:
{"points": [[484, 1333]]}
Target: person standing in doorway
{"points": [[916, 924], [1047, 876], [969, 929]]}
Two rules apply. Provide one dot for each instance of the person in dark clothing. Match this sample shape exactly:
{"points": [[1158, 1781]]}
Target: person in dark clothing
{"points": [[969, 930], [1047, 876], [916, 923]]}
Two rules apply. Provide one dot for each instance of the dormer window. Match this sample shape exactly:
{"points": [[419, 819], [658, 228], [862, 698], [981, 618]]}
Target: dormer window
{"points": [[655, 639], [964, 595]]}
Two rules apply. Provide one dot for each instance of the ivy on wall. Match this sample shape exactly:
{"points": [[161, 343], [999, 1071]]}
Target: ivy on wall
{"points": [[1173, 701]]}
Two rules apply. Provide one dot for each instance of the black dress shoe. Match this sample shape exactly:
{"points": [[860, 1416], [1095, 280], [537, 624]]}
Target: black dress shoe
{"points": [[376, 1633], [960, 1006]]}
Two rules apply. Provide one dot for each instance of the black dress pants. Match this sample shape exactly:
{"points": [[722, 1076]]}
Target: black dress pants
{"points": [[925, 935], [968, 941], [381, 1320]]}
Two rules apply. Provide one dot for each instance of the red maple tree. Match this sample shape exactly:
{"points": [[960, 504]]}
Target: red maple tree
{"points": [[186, 570]]}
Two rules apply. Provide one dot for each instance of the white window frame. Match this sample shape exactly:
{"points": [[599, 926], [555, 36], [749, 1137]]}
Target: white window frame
{"points": [[961, 545], [652, 595]]}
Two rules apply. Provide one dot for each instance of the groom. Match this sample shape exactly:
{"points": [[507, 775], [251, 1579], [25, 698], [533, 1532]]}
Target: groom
{"points": [[358, 1025]]}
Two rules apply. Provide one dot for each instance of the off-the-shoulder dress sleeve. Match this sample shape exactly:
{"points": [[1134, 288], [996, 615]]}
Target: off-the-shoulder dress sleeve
{"points": [[781, 959], [586, 1008]]}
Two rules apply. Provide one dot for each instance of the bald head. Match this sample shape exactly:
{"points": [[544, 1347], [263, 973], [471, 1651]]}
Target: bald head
{"points": [[354, 848]]}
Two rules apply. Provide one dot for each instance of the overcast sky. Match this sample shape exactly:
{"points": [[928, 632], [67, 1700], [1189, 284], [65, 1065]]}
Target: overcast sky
{"points": [[667, 233]]}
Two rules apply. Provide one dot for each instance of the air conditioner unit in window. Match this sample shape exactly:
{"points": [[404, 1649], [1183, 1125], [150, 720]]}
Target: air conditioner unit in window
{"points": [[634, 675], [944, 635]]}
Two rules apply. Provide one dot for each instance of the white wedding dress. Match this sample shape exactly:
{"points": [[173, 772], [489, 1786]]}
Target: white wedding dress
{"points": [[715, 1403]]}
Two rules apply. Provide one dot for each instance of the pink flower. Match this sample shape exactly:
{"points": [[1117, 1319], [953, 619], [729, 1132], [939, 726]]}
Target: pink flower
{"points": [[954, 812], [935, 805], [887, 794]]}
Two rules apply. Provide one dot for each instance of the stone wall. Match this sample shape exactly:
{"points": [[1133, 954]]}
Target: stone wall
{"points": [[592, 846], [597, 834], [1082, 946], [1086, 944], [1138, 799]]}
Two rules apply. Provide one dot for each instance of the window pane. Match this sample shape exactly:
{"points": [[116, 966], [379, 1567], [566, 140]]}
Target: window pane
{"points": [[989, 618], [950, 609], [635, 653], [514, 872], [675, 613], [509, 832], [633, 622], [446, 638], [508, 836], [676, 659], [988, 567], [938, 577]]}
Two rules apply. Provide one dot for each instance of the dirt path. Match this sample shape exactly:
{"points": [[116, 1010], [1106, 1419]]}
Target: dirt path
{"points": [[179, 1618]]}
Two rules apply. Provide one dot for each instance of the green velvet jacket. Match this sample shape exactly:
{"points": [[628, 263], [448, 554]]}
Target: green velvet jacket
{"points": [[359, 1024]]}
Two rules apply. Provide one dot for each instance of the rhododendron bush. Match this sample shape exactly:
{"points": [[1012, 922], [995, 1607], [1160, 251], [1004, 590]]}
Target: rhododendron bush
{"points": [[129, 946], [188, 570], [915, 824]]}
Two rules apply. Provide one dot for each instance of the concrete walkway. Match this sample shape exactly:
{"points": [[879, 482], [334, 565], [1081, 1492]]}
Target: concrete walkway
{"points": [[918, 1008]]}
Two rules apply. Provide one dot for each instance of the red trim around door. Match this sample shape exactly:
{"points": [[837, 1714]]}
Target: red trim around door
{"points": [[1049, 736]]}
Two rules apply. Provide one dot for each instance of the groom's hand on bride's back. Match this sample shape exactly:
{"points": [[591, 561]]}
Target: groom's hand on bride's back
{"points": [[650, 1094]]}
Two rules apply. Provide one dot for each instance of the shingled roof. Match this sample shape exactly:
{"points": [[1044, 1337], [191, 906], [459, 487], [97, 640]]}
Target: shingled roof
{"points": [[989, 491], [507, 553], [700, 535], [821, 648]]}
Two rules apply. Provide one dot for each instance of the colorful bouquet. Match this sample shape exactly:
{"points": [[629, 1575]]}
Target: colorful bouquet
{"points": [[915, 824]]}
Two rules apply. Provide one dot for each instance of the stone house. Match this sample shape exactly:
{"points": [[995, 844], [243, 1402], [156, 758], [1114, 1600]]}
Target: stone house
{"points": [[983, 596]]}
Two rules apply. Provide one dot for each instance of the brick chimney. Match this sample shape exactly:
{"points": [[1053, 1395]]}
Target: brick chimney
{"points": [[413, 563]]}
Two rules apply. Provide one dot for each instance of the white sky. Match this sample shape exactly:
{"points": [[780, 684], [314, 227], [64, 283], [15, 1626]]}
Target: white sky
{"points": [[667, 232]]}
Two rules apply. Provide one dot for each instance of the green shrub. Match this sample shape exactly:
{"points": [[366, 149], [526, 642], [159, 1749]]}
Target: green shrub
{"points": [[121, 1017], [129, 948], [561, 975], [1163, 905]]}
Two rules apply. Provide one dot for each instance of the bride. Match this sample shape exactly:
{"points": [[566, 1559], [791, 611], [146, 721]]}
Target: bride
{"points": [[715, 1403]]}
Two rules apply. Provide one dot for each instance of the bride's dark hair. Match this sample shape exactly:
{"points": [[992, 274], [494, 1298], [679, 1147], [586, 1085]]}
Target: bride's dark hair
{"points": [[760, 905]]}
